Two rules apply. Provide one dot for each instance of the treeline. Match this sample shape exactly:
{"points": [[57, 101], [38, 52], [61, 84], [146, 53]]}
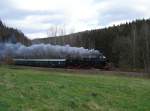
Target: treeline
{"points": [[11, 35], [126, 45], [76, 39]]}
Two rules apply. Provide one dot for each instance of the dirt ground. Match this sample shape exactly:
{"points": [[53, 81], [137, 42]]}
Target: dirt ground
{"points": [[88, 71]]}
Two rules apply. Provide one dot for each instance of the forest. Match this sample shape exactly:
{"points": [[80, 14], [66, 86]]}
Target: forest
{"points": [[11, 35], [125, 45]]}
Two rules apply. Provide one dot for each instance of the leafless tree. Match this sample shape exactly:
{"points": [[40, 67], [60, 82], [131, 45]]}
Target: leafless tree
{"points": [[56, 30], [59, 30], [147, 55], [134, 46]]}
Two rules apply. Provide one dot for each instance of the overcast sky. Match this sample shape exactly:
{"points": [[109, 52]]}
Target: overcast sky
{"points": [[35, 17]]}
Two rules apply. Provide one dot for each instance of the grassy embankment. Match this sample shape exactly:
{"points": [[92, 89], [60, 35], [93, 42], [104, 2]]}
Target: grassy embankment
{"points": [[25, 89]]}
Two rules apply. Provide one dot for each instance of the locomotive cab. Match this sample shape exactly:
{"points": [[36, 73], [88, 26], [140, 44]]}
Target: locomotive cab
{"points": [[89, 62]]}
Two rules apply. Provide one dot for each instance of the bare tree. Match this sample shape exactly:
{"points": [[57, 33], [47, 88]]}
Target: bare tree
{"points": [[56, 30], [146, 36], [134, 46], [59, 30], [52, 31]]}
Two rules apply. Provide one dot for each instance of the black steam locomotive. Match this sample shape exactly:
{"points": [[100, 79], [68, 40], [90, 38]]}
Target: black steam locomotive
{"points": [[99, 62]]}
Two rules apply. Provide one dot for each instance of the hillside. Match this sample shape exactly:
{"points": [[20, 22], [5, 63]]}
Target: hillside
{"points": [[126, 45], [11, 35], [81, 39]]}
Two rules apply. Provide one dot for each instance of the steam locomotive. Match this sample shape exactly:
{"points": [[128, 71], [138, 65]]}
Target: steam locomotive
{"points": [[92, 62]]}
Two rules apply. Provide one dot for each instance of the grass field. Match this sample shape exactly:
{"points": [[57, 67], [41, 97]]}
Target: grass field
{"points": [[29, 89]]}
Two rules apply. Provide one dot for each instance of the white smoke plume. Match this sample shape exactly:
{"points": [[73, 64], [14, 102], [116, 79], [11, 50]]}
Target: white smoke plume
{"points": [[45, 51]]}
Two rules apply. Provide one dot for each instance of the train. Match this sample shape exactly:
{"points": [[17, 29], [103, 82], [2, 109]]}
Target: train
{"points": [[99, 62]]}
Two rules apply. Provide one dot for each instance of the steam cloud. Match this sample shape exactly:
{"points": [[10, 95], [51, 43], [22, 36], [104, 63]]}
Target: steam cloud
{"points": [[44, 51]]}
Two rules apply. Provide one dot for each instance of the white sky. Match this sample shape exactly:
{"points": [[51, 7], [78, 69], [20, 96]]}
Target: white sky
{"points": [[35, 17]]}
